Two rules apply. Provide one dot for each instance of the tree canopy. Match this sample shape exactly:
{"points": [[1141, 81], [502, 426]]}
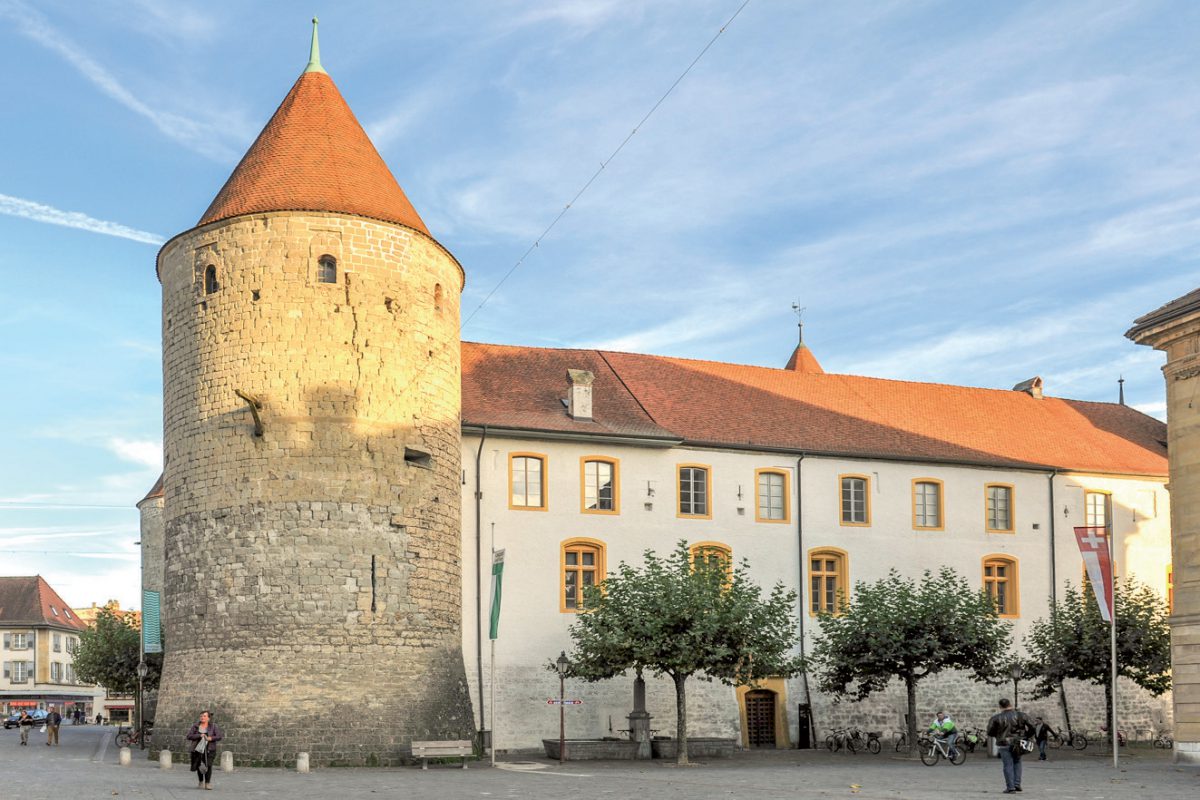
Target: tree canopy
{"points": [[899, 628], [685, 615], [108, 654], [1075, 641]]}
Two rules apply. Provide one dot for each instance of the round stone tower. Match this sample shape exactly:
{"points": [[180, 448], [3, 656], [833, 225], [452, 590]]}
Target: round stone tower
{"points": [[312, 585]]}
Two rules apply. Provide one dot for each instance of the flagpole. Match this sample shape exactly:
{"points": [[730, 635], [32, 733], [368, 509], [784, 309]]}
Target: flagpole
{"points": [[1112, 613]]}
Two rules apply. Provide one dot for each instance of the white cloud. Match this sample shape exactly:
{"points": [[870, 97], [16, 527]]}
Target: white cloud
{"points": [[207, 138], [38, 212], [146, 452]]}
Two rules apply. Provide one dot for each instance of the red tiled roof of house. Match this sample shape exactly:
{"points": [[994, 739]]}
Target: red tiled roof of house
{"points": [[735, 405], [31, 601], [314, 156], [803, 360]]}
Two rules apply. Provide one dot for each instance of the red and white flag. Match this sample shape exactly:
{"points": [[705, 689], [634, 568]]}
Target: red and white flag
{"points": [[1093, 546]]}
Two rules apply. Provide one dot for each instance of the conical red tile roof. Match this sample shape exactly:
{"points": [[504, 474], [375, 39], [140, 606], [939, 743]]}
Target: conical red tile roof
{"points": [[314, 156], [803, 360]]}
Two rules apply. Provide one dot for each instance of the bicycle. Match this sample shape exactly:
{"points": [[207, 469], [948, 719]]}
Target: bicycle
{"points": [[923, 740], [1164, 741], [127, 737], [971, 738], [838, 739], [1074, 739], [939, 748], [866, 740]]}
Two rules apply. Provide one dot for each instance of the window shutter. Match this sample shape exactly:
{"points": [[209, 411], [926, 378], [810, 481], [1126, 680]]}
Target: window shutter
{"points": [[7, 641], [7, 666]]}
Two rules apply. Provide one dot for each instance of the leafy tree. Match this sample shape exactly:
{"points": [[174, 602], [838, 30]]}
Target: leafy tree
{"points": [[682, 617], [108, 654], [1075, 642], [896, 628]]}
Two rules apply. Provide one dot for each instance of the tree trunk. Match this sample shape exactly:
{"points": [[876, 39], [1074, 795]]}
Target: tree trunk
{"points": [[681, 756], [1062, 698], [910, 687]]}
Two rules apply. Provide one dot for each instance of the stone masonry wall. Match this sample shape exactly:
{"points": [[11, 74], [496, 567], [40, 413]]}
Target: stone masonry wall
{"points": [[312, 574]]}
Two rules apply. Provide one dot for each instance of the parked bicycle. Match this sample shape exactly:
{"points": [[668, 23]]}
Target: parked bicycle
{"points": [[866, 740], [939, 748], [1075, 739], [923, 740], [127, 737], [839, 738], [1164, 741], [971, 738]]}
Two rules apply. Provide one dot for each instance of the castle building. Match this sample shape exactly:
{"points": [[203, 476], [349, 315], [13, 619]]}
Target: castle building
{"points": [[339, 467], [38, 636]]}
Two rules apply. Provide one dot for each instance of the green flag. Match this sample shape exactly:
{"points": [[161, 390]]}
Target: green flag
{"points": [[497, 580], [151, 623]]}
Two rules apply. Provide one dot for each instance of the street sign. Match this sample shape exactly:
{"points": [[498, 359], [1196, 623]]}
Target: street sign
{"points": [[553, 702]]}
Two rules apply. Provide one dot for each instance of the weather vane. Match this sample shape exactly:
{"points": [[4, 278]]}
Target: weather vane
{"points": [[796, 307]]}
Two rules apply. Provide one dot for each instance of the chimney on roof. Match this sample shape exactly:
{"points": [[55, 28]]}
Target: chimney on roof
{"points": [[579, 400], [1033, 387]]}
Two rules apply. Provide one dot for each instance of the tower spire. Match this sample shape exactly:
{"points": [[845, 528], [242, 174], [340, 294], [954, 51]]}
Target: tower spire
{"points": [[314, 53], [1121, 390]]}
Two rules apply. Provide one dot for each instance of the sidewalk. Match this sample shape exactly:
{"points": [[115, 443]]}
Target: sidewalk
{"points": [[85, 768]]}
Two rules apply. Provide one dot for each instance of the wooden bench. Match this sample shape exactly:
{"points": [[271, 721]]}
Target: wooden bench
{"points": [[427, 750]]}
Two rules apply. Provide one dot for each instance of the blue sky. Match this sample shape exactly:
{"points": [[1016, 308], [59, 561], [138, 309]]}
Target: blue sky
{"points": [[970, 193]]}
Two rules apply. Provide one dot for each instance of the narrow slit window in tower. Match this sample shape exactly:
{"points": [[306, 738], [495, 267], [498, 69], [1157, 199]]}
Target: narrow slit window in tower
{"points": [[210, 279]]}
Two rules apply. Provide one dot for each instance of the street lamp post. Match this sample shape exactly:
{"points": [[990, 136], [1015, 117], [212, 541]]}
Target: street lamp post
{"points": [[142, 669], [563, 665], [1017, 673]]}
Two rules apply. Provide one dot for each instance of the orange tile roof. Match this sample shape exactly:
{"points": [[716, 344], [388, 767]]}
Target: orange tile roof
{"points": [[734, 405], [803, 360], [314, 156], [31, 601]]}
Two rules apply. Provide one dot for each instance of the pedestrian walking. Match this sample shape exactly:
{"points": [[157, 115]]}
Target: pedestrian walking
{"points": [[53, 720], [1011, 729], [25, 724], [1041, 732], [203, 737]]}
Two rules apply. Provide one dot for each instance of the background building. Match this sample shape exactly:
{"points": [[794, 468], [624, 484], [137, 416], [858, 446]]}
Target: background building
{"points": [[39, 635]]}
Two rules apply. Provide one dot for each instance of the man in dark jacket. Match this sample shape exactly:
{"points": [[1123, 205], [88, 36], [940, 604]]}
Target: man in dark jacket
{"points": [[25, 723], [1041, 733], [53, 720], [1009, 726]]}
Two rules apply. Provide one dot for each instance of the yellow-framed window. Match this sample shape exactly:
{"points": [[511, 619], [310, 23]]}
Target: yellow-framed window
{"points": [[998, 507], [855, 494], [828, 577], [581, 565], [773, 500], [713, 553], [600, 485], [527, 481], [1000, 581], [928, 504], [695, 491], [1097, 510]]}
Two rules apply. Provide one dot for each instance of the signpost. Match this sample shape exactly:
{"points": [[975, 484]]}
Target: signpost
{"points": [[563, 665], [563, 702]]}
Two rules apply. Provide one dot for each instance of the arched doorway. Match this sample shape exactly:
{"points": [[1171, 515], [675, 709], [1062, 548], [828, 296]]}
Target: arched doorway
{"points": [[760, 718]]}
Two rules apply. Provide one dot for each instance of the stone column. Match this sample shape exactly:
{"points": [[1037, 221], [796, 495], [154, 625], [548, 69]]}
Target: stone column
{"points": [[1175, 329], [639, 719]]}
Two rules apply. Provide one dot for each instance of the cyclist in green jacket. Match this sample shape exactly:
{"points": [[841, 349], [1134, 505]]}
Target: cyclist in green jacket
{"points": [[944, 728]]}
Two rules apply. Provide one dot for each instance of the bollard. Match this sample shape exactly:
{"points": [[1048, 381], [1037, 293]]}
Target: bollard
{"points": [[227, 761], [302, 763], [164, 759], [126, 757]]}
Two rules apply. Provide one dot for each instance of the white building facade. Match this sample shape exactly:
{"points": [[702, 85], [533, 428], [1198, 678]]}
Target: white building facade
{"points": [[568, 499]]}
